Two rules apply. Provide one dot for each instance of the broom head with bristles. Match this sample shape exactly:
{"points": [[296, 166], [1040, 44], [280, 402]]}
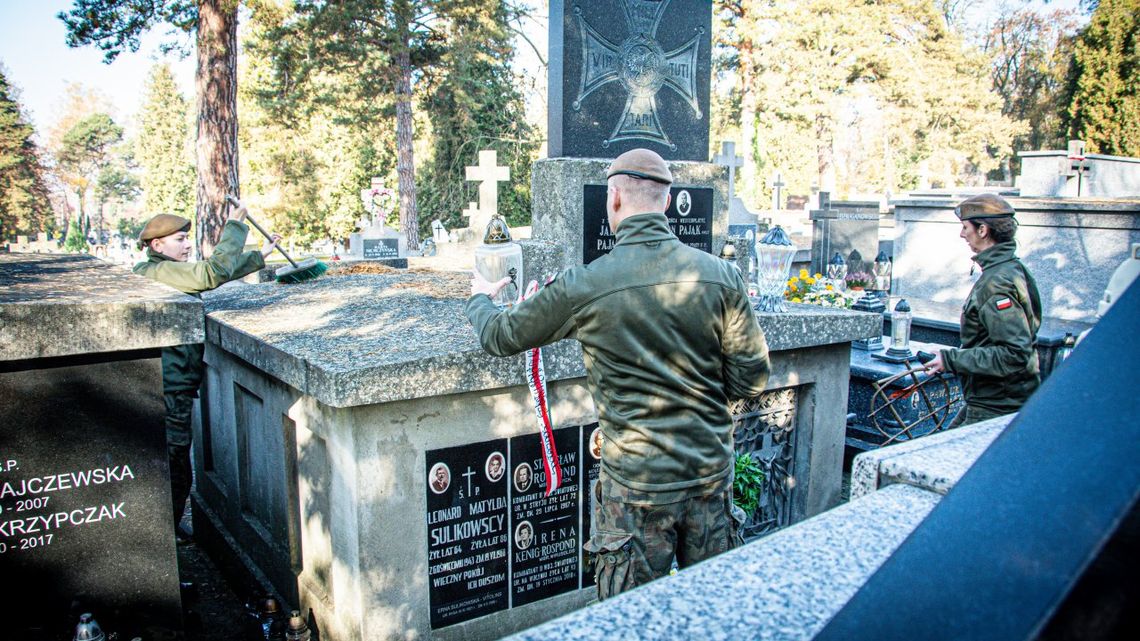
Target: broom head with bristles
{"points": [[305, 270]]}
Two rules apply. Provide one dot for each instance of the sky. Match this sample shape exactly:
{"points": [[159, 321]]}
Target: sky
{"points": [[38, 62]]}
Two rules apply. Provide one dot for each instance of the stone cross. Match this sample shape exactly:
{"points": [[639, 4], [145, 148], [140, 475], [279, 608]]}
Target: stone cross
{"points": [[490, 175], [472, 214], [728, 158], [778, 185]]}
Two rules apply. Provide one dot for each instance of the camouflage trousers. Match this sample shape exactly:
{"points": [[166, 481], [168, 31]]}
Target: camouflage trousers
{"points": [[635, 541], [970, 414], [178, 437]]}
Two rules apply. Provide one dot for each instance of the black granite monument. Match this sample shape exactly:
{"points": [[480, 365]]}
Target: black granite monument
{"points": [[495, 539], [627, 74], [85, 522]]}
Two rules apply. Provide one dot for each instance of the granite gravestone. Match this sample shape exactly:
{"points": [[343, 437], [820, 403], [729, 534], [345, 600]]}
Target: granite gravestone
{"points": [[85, 523], [495, 539], [849, 228], [628, 74], [690, 216]]}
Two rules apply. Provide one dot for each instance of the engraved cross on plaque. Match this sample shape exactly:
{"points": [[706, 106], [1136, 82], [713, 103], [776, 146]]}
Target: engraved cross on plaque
{"points": [[728, 158], [490, 175], [641, 66]]}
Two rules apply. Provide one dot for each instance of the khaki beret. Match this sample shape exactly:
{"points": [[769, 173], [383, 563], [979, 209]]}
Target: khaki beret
{"points": [[641, 163], [984, 206], [163, 225]]}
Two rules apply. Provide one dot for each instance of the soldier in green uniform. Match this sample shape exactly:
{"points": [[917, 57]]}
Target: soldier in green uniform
{"points": [[167, 242], [997, 363], [668, 337]]}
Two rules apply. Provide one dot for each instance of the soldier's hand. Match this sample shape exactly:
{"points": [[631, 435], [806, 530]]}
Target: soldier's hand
{"points": [[936, 366], [273, 240], [479, 285], [238, 213]]}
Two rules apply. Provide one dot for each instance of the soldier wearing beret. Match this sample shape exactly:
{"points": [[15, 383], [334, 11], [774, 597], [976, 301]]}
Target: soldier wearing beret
{"points": [[669, 336], [997, 363], [167, 242]]}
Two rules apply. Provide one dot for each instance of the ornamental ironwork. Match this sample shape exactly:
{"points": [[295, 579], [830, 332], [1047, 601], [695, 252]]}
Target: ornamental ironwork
{"points": [[764, 427]]}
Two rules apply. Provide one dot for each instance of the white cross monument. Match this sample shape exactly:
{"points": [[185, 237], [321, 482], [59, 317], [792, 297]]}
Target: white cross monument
{"points": [[728, 158], [490, 175]]}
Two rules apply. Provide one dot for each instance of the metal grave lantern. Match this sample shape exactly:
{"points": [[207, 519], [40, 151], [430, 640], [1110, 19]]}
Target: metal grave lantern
{"points": [[837, 272], [899, 351], [497, 258], [882, 271], [774, 254], [728, 253]]}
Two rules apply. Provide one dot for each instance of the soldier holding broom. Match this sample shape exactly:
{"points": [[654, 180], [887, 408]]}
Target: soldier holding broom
{"points": [[167, 242]]}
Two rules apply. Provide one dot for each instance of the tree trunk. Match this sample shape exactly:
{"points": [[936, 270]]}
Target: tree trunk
{"points": [[825, 154], [749, 101], [405, 161], [216, 87]]}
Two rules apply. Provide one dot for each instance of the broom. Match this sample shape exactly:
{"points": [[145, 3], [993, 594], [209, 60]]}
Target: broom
{"points": [[295, 272]]}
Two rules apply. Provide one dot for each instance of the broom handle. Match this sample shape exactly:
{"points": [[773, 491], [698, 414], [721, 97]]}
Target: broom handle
{"points": [[237, 203]]}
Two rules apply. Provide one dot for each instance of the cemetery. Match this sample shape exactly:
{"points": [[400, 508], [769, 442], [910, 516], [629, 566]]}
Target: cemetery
{"points": [[365, 470]]}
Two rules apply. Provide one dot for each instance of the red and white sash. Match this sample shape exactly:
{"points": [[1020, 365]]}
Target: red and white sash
{"points": [[536, 380]]}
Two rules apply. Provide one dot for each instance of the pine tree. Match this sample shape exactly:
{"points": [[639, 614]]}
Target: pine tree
{"points": [[117, 25], [24, 206], [162, 147], [76, 237], [1104, 81], [87, 150]]}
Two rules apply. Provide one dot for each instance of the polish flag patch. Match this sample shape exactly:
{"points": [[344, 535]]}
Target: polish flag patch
{"points": [[1003, 303]]}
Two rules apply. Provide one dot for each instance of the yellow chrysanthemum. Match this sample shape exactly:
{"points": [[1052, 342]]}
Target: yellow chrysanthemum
{"points": [[804, 274]]}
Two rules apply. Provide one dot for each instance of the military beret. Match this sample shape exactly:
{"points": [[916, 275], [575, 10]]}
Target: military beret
{"points": [[641, 163], [983, 206], [163, 225]]}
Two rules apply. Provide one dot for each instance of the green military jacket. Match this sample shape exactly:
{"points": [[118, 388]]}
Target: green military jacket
{"points": [[997, 363], [182, 366], [668, 337]]}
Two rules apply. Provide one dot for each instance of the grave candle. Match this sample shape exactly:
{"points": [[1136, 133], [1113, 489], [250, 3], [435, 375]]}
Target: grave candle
{"points": [[498, 257]]}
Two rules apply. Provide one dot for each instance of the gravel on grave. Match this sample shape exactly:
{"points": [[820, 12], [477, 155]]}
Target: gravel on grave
{"points": [[360, 314]]}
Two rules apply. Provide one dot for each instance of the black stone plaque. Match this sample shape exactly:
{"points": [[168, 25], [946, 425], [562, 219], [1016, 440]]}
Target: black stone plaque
{"points": [[690, 216], [376, 248], [592, 456], [545, 530], [467, 531], [627, 74], [85, 523]]}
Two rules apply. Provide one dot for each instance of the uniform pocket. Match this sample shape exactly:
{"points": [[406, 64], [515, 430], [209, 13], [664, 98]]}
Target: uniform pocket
{"points": [[613, 565]]}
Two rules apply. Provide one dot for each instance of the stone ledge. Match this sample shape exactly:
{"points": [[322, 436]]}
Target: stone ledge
{"points": [[782, 587], [371, 338], [64, 305], [933, 463]]}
